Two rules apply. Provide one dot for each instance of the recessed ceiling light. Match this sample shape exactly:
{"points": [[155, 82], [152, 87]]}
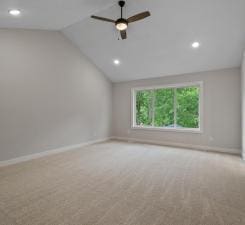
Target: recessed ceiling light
{"points": [[195, 44], [14, 12], [116, 62]]}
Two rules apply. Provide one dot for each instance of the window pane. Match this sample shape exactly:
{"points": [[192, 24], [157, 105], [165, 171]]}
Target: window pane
{"points": [[164, 108], [187, 107], [144, 103]]}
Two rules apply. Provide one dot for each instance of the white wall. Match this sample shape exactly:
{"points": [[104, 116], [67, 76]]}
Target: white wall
{"points": [[243, 105], [221, 119], [50, 95]]}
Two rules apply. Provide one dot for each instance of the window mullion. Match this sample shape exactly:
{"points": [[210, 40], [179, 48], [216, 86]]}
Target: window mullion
{"points": [[153, 108], [175, 107]]}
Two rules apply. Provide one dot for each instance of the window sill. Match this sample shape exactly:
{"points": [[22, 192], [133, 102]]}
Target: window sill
{"points": [[168, 129]]}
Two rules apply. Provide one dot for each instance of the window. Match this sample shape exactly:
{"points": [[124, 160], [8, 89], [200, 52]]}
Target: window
{"points": [[176, 107]]}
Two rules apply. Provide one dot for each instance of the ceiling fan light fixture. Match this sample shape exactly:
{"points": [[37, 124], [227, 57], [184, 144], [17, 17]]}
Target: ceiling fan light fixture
{"points": [[121, 24]]}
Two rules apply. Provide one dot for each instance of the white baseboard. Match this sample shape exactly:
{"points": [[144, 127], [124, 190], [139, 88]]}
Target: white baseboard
{"points": [[181, 145], [49, 152], [72, 147]]}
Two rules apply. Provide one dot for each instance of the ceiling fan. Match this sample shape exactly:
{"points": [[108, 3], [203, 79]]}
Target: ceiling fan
{"points": [[121, 23]]}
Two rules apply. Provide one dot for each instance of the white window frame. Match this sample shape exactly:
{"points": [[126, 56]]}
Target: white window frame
{"points": [[176, 129]]}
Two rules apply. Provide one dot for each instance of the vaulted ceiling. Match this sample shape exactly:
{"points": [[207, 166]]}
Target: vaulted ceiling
{"points": [[49, 14], [157, 46]]}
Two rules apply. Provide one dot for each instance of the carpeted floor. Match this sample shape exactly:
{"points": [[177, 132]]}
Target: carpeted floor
{"points": [[118, 183]]}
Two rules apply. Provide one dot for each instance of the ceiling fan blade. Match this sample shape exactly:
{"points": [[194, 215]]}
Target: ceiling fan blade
{"points": [[103, 19], [139, 16], [123, 34]]}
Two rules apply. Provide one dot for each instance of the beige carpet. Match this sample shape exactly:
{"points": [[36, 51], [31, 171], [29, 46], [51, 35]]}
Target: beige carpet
{"points": [[118, 183]]}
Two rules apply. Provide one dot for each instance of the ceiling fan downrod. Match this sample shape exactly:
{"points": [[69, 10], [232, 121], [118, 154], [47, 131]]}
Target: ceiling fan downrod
{"points": [[121, 4]]}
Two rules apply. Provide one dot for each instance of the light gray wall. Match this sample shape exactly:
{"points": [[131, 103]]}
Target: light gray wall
{"points": [[243, 105], [50, 94], [222, 110]]}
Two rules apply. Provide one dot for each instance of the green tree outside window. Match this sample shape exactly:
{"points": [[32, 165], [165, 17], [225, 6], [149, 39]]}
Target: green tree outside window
{"points": [[169, 107]]}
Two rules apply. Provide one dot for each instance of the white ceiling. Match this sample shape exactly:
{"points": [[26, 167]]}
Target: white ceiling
{"points": [[160, 44], [48, 14], [157, 46]]}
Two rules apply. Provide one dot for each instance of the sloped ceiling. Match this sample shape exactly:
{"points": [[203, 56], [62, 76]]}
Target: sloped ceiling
{"points": [[157, 46], [161, 44], [49, 14]]}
